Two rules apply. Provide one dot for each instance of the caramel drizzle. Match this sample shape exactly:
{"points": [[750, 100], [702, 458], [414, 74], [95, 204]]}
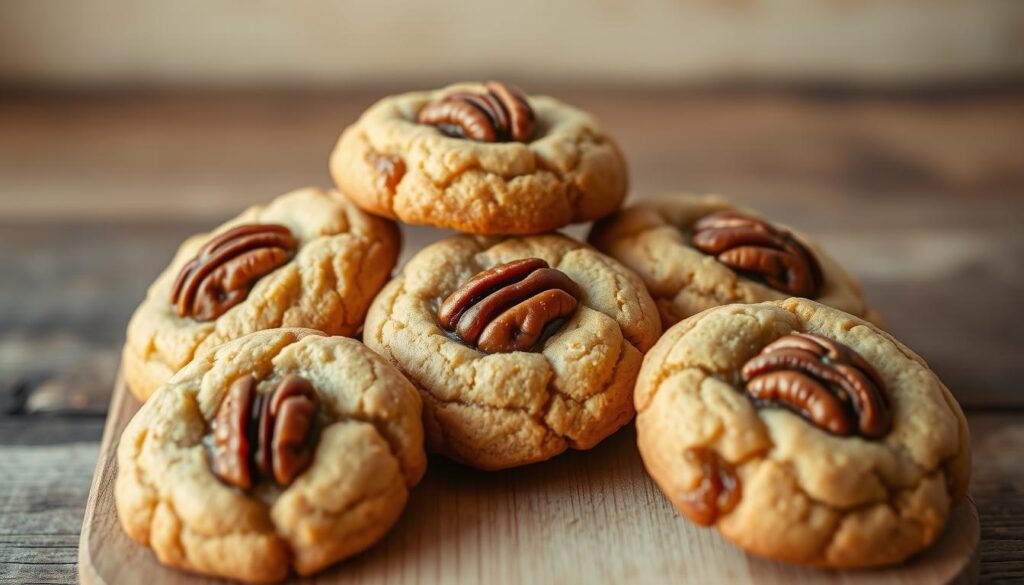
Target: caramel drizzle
{"points": [[717, 492]]}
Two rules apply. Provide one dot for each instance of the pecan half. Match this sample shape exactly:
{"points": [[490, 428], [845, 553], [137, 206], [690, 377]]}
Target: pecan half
{"points": [[232, 448], [511, 307], [824, 381], [262, 434], [754, 246], [500, 114], [293, 408], [225, 269], [268, 435], [717, 493]]}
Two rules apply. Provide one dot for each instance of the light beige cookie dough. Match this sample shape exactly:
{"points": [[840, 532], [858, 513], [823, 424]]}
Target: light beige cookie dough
{"points": [[368, 453], [501, 410], [391, 165], [803, 495], [343, 257], [653, 238]]}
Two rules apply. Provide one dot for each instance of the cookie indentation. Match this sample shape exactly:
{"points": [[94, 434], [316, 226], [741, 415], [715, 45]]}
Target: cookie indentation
{"points": [[268, 435], [822, 380], [756, 247], [226, 268], [500, 114], [511, 307]]}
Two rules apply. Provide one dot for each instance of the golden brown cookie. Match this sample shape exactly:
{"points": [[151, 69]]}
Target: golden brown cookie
{"points": [[283, 450], [697, 252], [471, 157], [308, 259], [520, 347], [803, 433]]}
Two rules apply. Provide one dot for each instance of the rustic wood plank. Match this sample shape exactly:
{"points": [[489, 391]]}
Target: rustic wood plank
{"points": [[41, 507], [45, 431], [206, 155], [997, 488], [67, 293]]}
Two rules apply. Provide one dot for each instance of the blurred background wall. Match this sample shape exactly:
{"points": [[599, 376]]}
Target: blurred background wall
{"points": [[889, 43]]}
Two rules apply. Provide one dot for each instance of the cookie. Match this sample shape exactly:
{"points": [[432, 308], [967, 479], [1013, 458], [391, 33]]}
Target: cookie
{"points": [[308, 259], [283, 450], [694, 253], [804, 434], [481, 159], [520, 347]]}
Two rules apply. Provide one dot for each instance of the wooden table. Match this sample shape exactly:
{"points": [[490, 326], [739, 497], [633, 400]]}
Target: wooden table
{"points": [[921, 196]]}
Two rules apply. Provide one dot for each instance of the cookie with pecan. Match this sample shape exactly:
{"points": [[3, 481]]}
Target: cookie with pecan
{"points": [[281, 451], [802, 433], [694, 253], [481, 158], [521, 347], [310, 258]]}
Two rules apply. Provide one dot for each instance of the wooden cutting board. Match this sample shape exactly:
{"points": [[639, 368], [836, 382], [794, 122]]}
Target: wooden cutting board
{"points": [[585, 517]]}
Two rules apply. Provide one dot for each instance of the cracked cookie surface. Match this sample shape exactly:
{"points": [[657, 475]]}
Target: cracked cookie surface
{"points": [[501, 410], [804, 495], [393, 166], [653, 238], [368, 454], [343, 257]]}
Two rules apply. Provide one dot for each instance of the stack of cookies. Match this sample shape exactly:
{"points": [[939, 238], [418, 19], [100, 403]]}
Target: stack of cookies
{"points": [[774, 405]]}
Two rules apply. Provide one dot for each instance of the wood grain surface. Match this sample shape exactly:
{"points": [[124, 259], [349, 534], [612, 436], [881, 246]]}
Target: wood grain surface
{"points": [[586, 517], [921, 196], [46, 468]]}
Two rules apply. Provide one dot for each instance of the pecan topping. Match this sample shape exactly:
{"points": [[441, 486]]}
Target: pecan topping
{"points": [[269, 434], [718, 491], [231, 445], [500, 114], [511, 307], [226, 268], [824, 381], [756, 247], [292, 408]]}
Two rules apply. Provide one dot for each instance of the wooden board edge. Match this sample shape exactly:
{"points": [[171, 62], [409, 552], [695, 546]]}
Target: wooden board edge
{"points": [[87, 573], [971, 571]]}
